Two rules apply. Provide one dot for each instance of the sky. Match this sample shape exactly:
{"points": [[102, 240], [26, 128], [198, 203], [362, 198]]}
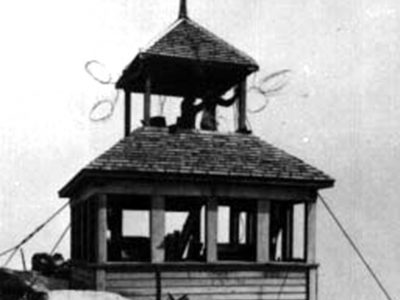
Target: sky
{"points": [[339, 111]]}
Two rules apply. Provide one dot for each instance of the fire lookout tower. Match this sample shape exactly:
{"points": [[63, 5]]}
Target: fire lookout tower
{"points": [[197, 212]]}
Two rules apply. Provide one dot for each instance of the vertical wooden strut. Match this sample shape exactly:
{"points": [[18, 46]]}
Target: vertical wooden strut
{"points": [[242, 107], [81, 231], [310, 247], [211, 229], [311, 231], [263, 228], [127, 125], [73, 230], [157, 228], [101, 241], [147, 102], [89, 245]]}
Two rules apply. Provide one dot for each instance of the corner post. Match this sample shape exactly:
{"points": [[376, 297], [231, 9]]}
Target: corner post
{"points": [[311, 231], [242, 106], [310, 246], [81, 230], [263, 229], [101, 247], [127, 124], [89, 245], [73, 230], [211, 229], [157, 229], [147, 102]]}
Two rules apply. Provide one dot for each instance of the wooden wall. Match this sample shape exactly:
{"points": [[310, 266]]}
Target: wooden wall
{"points": [[210, 285], [82, 278]]}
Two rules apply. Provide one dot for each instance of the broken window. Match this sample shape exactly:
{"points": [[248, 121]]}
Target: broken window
{"points": [[184, 230], [287, 231], [128, 235], [236, 231]]}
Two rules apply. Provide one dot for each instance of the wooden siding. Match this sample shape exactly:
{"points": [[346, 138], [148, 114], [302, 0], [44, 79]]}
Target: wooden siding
{"points": [[82, 278], [210, 285]]}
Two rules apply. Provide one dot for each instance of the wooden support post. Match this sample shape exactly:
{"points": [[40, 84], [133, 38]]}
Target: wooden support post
{"points": [[312, 284], [311, 231], [242, 107], [234, 225], [127, 124], [147, 102], [263, 228], [250, 228], [211, 229], [84, 230], [101, 247], [288, 233], [88, 228], [77, 235], [72, 242], [157, 229], [81, 231]]}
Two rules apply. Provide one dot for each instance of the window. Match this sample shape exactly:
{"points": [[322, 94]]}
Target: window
{"points": [[287, 231], [236, 231], [128, 235], [184, 229]]}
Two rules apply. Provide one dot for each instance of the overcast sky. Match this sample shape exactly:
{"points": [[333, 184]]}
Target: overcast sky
{"points": [[339, 112]]}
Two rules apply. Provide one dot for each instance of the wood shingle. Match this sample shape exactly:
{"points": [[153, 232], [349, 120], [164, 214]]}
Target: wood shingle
{"points": [[155, 150]]}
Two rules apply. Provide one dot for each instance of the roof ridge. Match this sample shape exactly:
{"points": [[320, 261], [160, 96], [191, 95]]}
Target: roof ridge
{"points": [[163, 33]]}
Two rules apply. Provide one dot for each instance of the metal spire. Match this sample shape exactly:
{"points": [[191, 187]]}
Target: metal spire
{"points": [[183, 10]]}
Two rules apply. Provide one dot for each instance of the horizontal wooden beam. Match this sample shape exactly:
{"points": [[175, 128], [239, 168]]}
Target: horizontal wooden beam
{"points": [[191, 189], [220, 266]]}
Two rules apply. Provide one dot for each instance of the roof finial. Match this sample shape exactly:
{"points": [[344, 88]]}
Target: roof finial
{"points": [[183, 10]]}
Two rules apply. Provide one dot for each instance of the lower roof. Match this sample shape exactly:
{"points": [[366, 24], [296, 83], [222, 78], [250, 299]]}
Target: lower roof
{"points": [[193, 153]]}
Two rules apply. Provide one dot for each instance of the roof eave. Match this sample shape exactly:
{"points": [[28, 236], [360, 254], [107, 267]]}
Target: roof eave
{"points": [[136, 69], [87, 174]]}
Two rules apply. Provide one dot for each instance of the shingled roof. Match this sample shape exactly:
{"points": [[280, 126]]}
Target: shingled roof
{"points": [[187, 57], [188, 39], [152, 150]]}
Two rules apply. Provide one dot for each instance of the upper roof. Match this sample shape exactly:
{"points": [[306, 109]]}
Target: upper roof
{"points": [[188, 39], [151, 150], [187, 57]]}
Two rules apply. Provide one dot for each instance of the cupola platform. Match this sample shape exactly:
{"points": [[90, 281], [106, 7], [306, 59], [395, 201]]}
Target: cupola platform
{"points": [[202, 213]]}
